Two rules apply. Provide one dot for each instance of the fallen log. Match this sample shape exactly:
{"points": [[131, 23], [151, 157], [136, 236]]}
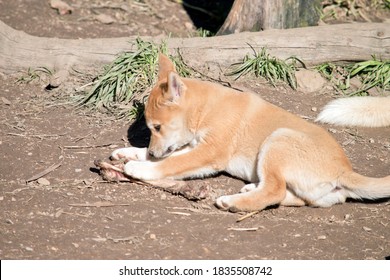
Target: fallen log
{"points": [[313, 45]]}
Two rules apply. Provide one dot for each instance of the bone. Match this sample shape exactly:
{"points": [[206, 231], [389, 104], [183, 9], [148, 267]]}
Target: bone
{"points": [[114, 172]]}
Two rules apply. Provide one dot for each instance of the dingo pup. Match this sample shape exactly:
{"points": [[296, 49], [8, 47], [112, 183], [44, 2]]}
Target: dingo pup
{"points": [[200, 128]]}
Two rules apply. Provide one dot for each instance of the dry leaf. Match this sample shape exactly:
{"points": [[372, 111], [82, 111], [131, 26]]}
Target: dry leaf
{"points": [[62, 7]]}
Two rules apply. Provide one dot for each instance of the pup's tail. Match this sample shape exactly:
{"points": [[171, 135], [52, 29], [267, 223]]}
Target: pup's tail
{"points": [[362, 187], [357, 111]]}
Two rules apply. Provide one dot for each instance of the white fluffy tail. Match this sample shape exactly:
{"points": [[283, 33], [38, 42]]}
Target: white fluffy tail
{"points": [[357, 111], [362, 187]]}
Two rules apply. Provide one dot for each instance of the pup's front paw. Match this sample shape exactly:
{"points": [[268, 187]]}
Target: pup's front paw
{"points": [[142, 170], [130, 153]]}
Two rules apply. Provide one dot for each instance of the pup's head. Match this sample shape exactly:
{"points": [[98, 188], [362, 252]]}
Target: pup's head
{"points": [[165, 112]]}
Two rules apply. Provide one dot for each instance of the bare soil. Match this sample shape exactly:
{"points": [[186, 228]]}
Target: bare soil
{"points": [[70, 213]]}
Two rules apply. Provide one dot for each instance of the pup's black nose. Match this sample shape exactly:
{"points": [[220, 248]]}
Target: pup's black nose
{"points": [[151, 153]]}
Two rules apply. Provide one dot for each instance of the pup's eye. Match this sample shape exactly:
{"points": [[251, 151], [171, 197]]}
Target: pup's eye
{"points": [[157, 127]]}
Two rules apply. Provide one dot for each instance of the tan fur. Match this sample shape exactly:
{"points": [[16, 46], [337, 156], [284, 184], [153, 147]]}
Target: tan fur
{"points": [[200, 128]]}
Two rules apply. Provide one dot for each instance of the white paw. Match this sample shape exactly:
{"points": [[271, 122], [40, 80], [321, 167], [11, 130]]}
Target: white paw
{"points": [[248, 188], [142, 170], [224, 202], [130, 153]]}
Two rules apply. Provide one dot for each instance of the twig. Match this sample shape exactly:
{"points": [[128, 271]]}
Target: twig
{"points": [[82, 137], [180, 213], [87, 146], [44, 172], [15, 191], [14, 126], [74, 214], [185, 208], [40, 136], [98, 204], [113, 7], [17, 134], [244, 229], [131, 239], [247, 216]]}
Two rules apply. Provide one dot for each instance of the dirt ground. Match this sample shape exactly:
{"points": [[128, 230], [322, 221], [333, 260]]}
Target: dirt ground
{"points": [[70, 213]]}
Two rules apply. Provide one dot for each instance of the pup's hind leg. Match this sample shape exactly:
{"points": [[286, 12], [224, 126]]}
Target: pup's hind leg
{"points": [[310, 168], [271, 190], [272, 187], [283, 157], [290, 200]]}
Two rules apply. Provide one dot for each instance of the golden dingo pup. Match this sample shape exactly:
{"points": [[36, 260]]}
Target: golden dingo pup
{"points": [[200, 128]]}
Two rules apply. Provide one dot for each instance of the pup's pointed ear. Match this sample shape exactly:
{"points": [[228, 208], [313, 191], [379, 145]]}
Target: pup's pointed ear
{"points": [[164, 66], [176, 88]]}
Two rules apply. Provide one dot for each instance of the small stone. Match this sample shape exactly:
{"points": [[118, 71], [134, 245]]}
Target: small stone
{"points": [[105, 19], [314, 109], [59, 213], [43, 182], [153, 236], [309, 81], [321, 237], [78, 170], [188, 25], [367, 229], [6, 101]]}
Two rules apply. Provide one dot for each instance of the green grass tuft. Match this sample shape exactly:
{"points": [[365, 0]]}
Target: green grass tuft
{"points": [[371, 73], [34, 75], [122, 87], [261, 64]]}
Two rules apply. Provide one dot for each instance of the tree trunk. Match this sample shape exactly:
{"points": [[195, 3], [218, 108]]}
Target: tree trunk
{"points": [[313, 45], [256, 15]]}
